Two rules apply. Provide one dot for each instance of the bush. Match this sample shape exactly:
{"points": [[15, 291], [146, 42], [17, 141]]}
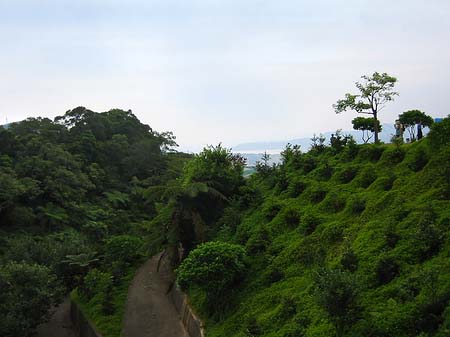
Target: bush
{"points": [[334, 202], [96, 282], [271, 210], [296, 187], [309, 222], [324, 171], [214, 267], [336, 292], [393, 156], [333, 232], [367, 176], [316, 193], [371, 152], [346, 175], [273, 274], [417, 159], [123, 249], [28, 291], [258, 242], [440, 133], [291, 216]]}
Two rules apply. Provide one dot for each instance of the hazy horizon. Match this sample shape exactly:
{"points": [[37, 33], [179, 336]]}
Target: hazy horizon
{"points": [[221, 71]]}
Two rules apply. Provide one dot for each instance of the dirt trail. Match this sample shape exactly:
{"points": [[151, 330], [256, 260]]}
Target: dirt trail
{"points": [[60, 324], [148, 311]]}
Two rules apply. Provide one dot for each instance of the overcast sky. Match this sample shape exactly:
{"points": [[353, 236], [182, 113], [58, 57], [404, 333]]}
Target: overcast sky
{"points": [[215, 70]]}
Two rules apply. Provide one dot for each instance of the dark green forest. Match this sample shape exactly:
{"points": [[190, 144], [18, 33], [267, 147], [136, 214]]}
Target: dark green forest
{"points": [[341, 240], [73, 211]]}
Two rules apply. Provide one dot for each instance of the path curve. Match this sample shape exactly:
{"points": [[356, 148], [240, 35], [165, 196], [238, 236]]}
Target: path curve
{"points": [[148, 310]]}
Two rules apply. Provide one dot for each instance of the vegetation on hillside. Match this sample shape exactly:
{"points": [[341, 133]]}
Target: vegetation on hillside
{"points": [[73, 212], [344, 240]]}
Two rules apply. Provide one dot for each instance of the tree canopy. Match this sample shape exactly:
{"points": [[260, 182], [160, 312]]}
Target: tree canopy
{"points": [[367, 126], [374, 92], [412, 118]]}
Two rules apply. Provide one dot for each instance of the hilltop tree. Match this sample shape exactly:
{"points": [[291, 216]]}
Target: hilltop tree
{"points": [[367, 126], [411, 118], [374, 92]]}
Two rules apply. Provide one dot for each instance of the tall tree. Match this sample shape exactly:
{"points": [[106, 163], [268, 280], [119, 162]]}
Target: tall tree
{"points": [[374, 92]]}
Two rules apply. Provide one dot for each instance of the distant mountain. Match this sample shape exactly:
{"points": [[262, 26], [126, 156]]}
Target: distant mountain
{"points": [[253, 151]]}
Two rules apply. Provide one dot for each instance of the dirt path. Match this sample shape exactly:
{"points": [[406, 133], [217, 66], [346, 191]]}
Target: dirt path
{"points": [[60, 324], [148, 311]]}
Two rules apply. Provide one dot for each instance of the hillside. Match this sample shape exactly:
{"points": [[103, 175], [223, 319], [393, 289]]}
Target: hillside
{"points": [[351, 240]]}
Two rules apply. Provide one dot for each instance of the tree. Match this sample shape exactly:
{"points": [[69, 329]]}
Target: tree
{"points": [[196, 201], [411, 118], [336, 292], [374, 92], [28, 291], [263, 166], [366, 125], [214, 267]]}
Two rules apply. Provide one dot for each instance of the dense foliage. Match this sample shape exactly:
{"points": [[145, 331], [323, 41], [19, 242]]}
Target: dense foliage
{"points": [[73, 209], [345, 240], [213, 267]]}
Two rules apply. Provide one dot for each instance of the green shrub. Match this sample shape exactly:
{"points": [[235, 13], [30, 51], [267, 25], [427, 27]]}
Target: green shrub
{"points": [[28, 291], [371, 152], [367, 176], [271, 210], [393, 155], [316, 193], [346, 175], [332, 232], [214, 267], [440, 133], [291, 216], [337, 293], [124, 249], [296, 187], [310, 252], [309, 222], [417, 159], [333, 202], [324, 172], [96, 282], [273, 274], [258, 241]]}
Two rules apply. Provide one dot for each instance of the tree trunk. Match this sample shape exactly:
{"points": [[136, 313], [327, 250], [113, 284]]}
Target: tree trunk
{"points": [[375, 127]]}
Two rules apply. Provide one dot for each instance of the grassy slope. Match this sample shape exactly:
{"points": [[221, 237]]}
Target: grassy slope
{"points": [[390, 218]]}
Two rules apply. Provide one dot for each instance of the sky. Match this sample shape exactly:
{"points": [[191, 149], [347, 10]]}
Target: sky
{"points": [[221, 71]]}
